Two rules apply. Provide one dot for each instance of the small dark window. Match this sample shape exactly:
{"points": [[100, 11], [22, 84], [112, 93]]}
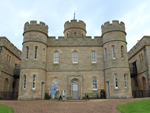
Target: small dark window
{"points": [[0, 49], [74, 34], [35, 52]]}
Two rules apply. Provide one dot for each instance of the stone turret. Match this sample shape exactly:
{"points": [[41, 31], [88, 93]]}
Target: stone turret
{"points": [[116, 60], [75, 29], [33, 67]]}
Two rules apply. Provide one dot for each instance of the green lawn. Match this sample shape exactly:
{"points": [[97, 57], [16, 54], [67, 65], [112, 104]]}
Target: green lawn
{"points": [[5, 109], [142, 106]]}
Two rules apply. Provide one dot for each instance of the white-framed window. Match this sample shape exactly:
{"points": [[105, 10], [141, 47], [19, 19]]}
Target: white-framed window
{"points": [[34, 80], [27, 52], [55, 81], [35, 56], [75, 57], [94, 83], [116, 81], [113, 52], [56, 57], [125, 80], [93, 56], [43, 58], [122, 51], [24, 81], [106, 53], [0, 49]]}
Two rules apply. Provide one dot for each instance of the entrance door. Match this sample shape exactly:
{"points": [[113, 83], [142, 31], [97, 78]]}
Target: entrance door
{"points": [[75, 89], [42, 88], [108, 93]]}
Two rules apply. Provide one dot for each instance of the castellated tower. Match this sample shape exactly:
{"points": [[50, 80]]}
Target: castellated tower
{"points": [[33, 66], [116, 68], [74, 29]]}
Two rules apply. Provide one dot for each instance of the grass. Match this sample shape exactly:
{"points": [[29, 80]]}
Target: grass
{"points": [[142, 106], [5, 109]]}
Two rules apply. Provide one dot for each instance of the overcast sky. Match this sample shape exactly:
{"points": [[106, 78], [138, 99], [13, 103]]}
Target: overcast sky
{"points": [[15, 13]]}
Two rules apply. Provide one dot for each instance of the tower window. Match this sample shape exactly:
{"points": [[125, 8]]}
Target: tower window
{"points": [[34, 77], [116, 82], [35, 52], [122, 51], [24, 83], [56, 57], [43, 54], [74, 34], [106, 53], [75, 57], [27, 52], [125, 80], [94, 83], [93, 55], [113, 52]]}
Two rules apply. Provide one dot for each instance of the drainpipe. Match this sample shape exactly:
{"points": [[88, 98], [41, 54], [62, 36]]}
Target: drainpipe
{"points": [[146, 66]]}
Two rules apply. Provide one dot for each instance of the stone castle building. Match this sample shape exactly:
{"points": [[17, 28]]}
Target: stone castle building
{"points": [[74, 62]]}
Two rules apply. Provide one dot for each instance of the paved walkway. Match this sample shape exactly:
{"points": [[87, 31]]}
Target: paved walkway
{"points": [[49, 106]]}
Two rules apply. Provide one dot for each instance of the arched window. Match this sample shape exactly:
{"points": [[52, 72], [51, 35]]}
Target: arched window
{"points": [[122, 51], [55, 81], [144, 83], [113, 52], [56, 57], [43, 54], [116, 82], [27, 52], [125, 80], [75, 57], [24, 82], [34, 79], [0, 49], [93, 56], [35, 52], [94, 83], [9, 59], [74, 34], [106, 53], [141, 57]]}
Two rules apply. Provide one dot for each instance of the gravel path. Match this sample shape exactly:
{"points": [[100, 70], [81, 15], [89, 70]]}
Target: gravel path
{"points": [[54, 106]]}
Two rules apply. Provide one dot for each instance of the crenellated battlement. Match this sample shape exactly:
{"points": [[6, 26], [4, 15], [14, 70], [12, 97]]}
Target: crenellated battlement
{"points": [[114, 26], [74, 24], [34, 26], [6, 43]]}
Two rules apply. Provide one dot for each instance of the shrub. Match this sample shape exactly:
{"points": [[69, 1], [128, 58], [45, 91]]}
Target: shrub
{"points": [[47, 97]]}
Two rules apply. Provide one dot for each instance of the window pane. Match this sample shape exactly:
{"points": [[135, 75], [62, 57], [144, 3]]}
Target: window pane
{"points": [[33, 81], [113, 51], [35, 52], [56, 57], [27, 52], [94, 83], [122, 51], [24, 81], [75, 57]]}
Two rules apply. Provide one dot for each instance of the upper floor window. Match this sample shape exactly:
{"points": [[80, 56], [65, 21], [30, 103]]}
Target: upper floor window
{"points": [[27, 52], [116, 81], [55, 81], [24, 82], [35, 52], [122, 51], [74, 34], [125, 80], [106, 53], [34, 78], [93, 56], [75, 57], [94, 83], [113, 52], [56, 57], [43, 58], [0, 49]]}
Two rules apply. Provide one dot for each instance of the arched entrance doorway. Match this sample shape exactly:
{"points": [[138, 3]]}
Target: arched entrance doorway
{"points": [[75, 89], [6, 84], [144, 83]]}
